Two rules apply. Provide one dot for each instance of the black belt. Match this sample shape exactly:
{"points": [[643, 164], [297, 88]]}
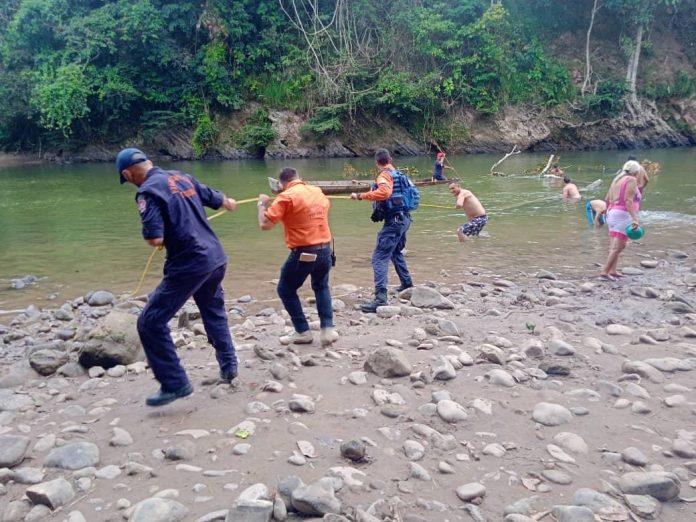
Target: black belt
{"points": [[312, 248]]}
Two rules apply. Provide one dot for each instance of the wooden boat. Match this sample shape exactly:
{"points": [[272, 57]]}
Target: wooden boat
{"points": [[335, 187]]}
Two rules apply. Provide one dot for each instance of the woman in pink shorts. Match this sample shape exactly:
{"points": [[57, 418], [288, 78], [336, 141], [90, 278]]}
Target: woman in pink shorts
{"points": [[623, 202]]}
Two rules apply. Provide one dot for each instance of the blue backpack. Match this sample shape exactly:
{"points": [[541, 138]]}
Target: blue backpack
{"points": [[405, 196]]}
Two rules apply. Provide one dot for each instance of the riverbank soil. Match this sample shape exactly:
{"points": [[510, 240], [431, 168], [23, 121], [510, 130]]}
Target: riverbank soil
{"points": [[468, 398]]}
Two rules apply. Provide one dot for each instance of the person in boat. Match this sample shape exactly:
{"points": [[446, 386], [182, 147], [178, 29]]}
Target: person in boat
{"points": [[570, 189], [622, 200], [472, 207], [596, 210], [391, 240], [172, 214], [556, 171], [439, 167], [304, 212]]}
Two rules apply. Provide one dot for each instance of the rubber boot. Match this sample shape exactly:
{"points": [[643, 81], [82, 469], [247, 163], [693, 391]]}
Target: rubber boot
{"points": [[380, 300]]}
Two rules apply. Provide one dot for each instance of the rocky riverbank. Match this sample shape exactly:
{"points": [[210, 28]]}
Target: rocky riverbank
{"points": [[543, 397], [529, 128]]}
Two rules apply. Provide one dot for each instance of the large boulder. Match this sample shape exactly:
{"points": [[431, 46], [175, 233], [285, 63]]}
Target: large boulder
{"points": [[661, 485], [76, 455], [46, 362], [388, 362], [115, 341], [425, 297]]}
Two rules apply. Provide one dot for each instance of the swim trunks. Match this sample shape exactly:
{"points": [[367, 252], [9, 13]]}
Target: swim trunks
{"points": [[474, 226]]}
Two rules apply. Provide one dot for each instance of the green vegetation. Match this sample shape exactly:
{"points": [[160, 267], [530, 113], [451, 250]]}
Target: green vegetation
{"points": [[78, 71]]}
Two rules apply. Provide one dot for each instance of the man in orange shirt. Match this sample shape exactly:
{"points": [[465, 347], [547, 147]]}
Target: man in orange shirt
{"points": [[391, 239], [304, 212]]}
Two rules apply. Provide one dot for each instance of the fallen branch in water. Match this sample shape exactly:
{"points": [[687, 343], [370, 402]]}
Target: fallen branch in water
{"points": [[548, 164], [511, 153]]}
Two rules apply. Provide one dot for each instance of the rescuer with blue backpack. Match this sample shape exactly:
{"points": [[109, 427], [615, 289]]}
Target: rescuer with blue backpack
{"points": [[394, 197]]}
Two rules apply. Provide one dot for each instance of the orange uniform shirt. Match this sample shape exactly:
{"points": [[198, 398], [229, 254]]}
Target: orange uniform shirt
{"points": [[385, 186], [304, 211]]}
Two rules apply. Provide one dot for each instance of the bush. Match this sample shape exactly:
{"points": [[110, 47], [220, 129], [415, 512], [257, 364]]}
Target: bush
{"points": [[257, 134], [326, 120], [205, 136], [608, 100]]}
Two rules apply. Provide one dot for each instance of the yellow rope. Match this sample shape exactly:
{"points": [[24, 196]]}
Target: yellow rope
{"points": [[217, 215], [159, 248]]}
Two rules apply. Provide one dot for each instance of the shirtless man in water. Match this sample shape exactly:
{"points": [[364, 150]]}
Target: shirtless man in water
{"points": [[473, 209], [570, 191]]}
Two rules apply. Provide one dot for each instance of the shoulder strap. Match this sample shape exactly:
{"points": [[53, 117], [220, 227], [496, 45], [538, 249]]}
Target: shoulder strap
{"points": [[622, 191]]}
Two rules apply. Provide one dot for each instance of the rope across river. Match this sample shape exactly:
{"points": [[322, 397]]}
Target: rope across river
{"points": [[150, 259]]}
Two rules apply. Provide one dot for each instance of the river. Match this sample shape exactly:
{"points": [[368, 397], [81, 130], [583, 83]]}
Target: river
{"points": [[77, 229]]}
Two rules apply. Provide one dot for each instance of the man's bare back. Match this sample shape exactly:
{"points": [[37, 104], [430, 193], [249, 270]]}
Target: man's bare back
{"points": [[470, 204]]}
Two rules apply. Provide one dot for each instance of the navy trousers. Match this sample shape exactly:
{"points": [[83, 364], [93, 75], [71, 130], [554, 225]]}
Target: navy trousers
{"points": [[294, 273], [391, 240], [171, 294]]}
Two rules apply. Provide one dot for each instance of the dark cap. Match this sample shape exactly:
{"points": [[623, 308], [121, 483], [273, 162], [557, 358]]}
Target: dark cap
{"points": [[127, 158]]}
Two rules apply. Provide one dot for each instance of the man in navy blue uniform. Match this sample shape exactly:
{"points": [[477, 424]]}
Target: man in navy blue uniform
{"points": [[171, 209]]}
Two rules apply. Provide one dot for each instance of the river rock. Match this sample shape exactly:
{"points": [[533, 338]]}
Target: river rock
{"points": [[571, 442], [413, 450], [11, 401], [388, 362], [573, 514], [354, 450], [442, 369], [450, 411], [500, 378], [560, 347], [385, 312], [100, 298], [469, 492], [46, 362], [669, 364], [619, 329], [12, 450], [113, 342], [158, 509], [684, 448], [54, 493], [557, 477], [315, 499], [601, 504], [76, 455], [644, 506], [661, 485], [634, 456], [426, 297], [550, 414]]}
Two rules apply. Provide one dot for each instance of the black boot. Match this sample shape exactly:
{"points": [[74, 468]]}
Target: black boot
{"points": [[380, 300], [404, 286]]}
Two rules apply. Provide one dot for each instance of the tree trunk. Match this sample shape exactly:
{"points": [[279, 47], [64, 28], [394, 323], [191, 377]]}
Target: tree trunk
{"points": [[632, 72], [588, 66]]}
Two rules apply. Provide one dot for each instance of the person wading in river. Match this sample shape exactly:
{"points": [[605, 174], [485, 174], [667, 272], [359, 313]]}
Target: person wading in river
{"points": [[391, 239], [472, 207], [304, 212], [623, 200], [171, 210]]}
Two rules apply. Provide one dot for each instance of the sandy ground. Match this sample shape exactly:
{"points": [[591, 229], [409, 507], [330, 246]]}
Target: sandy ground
{"points": [[495, 325]]}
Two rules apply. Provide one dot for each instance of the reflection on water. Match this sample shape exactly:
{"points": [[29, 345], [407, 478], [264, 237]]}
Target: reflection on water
{"points": [[79, 229]]}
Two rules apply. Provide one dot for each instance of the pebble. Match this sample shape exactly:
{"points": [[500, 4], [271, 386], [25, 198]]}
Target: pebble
{"points": [[354, 450], [501, 378], [469, 492], [658, 484], [634, 456], [73, 456], [557, 477]]}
